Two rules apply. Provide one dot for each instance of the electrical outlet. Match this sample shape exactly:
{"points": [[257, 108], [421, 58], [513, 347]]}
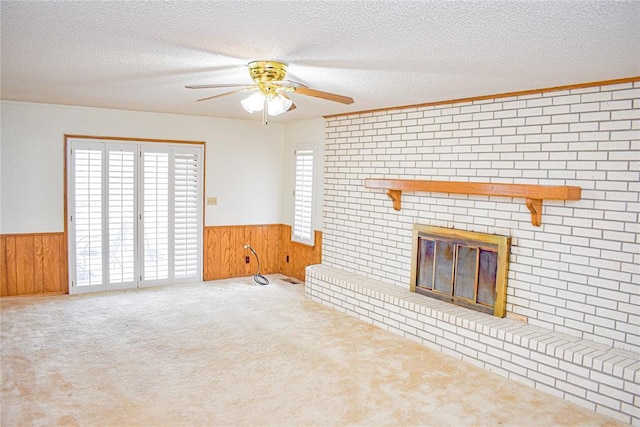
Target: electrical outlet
{"points": [[247, 260], [211, 201]]}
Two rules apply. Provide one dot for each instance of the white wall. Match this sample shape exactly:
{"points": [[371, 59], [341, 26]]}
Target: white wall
{"points": [[303, 132], [578, 273], [0, 170], [244, 164]]}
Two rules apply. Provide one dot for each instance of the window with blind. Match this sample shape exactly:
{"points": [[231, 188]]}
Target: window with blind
{"points": [[302, 229], [187, 211], [135, 214]]}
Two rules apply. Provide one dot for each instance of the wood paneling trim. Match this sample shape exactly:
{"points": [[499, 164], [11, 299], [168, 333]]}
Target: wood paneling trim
{"points": [[495, 96], [121, 138], [33, 263]]}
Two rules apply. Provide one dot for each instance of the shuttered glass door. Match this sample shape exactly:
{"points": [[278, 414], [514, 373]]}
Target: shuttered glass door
{"points": [[187, 210], [135, 214], [86, 206], [121, 215], [156, 262]]}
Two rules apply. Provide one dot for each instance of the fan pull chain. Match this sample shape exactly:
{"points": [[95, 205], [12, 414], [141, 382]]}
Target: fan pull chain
{"points": [[265, 112]]}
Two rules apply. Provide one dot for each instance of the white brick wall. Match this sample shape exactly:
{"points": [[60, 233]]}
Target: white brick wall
{"points": [[578, 273]]}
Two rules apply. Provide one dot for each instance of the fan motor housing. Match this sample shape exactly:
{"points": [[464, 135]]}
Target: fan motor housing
{"points": [[267, 71]]}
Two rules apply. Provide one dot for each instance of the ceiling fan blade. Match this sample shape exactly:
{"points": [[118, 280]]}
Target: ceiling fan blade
{"points": [[324, 95], [214, 86], [291, 83], [293, 107], [227, 93]]}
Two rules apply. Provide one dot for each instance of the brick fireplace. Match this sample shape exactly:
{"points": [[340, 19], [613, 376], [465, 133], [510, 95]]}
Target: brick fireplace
{"points": [[573, 281]]}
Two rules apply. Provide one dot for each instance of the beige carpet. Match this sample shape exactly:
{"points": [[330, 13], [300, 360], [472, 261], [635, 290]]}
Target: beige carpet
{"points": [[233, 353]]}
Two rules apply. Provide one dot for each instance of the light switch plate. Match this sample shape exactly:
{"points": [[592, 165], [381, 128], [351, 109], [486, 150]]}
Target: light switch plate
{"points": [[212, 201]]}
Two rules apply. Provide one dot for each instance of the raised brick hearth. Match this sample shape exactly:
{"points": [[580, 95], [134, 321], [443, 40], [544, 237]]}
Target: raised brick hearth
{"points": [[593, 375]]}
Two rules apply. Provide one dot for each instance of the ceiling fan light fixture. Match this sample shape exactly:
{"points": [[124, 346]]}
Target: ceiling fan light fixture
{"points": [[271, 87], [278, 104], [253, 103]]}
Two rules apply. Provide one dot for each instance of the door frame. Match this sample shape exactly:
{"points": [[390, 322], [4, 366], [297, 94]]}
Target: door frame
{"points": [[68, 137]]}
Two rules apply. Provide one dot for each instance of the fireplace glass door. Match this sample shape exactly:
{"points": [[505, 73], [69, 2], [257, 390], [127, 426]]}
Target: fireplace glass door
{"points": [[464, 271]]}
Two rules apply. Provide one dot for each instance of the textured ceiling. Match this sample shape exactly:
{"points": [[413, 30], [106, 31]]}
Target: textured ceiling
{"points": [[139, 55]]}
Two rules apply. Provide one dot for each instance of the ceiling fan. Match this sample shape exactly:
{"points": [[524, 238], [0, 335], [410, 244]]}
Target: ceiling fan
{"points": [[272, 90]]}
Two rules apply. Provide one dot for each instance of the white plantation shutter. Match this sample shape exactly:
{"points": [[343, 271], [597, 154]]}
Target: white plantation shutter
{"points": [[155, 214], [135, 214], [86, 215], [121, 200], [187, 214], [302, 230]]}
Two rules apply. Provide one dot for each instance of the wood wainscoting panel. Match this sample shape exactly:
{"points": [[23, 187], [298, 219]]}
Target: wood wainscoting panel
{"points": [[265, 240], [32, 264], [237, 266], [54, 263], [36, 263], [216, 252], [300, 255], [224, 252], [25, 265]]}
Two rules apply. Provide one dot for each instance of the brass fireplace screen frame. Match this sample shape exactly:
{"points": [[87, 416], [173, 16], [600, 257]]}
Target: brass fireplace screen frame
{"points": [[465, 239]]}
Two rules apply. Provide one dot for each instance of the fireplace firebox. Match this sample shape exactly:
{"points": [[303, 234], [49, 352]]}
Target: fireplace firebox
{"points": [[463, 267]]}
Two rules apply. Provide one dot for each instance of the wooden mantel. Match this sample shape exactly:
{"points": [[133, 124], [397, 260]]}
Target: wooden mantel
{"points": [[533, 194]]}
